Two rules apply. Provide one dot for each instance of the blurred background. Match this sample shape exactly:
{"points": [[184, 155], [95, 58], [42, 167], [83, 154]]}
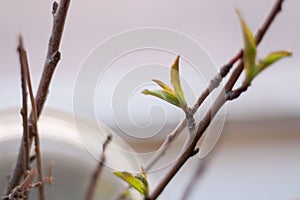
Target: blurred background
{"points": [[257, 154]]}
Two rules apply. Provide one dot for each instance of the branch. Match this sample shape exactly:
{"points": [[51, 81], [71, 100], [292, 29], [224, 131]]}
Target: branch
{"points": [[197, 175], [19, 192], [53, 56], [213, 84], [219, 102], [98, 170], [24, 110], [36, 135]]}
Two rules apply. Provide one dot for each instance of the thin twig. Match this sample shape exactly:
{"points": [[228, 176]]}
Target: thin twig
{"points": [[197, 175], [36, 134], [219, 102], [19, 192], [53, 56], [96, 174], [49, 178], [24, 110]]}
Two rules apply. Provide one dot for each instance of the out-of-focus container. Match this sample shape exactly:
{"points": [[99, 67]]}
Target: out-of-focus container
{"points": [[74, 164]]}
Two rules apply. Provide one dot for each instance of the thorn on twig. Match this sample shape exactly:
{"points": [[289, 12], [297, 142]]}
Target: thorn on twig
{"points": [[22, 111], [194, 152], [54, 7]]}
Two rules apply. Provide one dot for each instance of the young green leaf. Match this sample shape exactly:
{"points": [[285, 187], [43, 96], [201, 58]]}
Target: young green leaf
{"points": [[164, 86], [175, 81], [271, 58], [249, 53], [134, 182], [164, 95], [143, 177]]}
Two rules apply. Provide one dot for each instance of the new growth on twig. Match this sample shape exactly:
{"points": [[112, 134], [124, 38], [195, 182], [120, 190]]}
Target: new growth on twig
{"points": [[96, 174], [248, 55]]}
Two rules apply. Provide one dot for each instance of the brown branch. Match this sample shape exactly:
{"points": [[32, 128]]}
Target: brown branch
{"points": [[19, 192], [24, 110], [215, 82], [98, 170], [197, 175], [36, 134], [53, 56], [219, 102]]}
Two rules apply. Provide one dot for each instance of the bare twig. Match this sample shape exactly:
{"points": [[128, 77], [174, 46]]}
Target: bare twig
{"points": [[199, 172], [49, 178], [19, 192], [36, 134], [221, 99], [53, 55], [96, 174], [24, 110], [52, 59]]}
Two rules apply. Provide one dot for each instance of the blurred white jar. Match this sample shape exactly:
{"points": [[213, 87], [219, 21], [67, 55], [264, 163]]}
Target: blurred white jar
{"points": [[74, 163]]}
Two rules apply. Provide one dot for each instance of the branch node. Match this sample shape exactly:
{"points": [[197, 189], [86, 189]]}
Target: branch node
{"points": [[54, 58], [54, 7], [215, 82], [233, 94], [225, 69]]}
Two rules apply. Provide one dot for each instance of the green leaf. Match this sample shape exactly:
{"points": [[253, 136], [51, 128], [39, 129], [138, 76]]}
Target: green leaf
{"points": [[164, 95], [272, 58], [175, 81], [249, 53], [133, 182], [164, 86], [143, 177]]}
